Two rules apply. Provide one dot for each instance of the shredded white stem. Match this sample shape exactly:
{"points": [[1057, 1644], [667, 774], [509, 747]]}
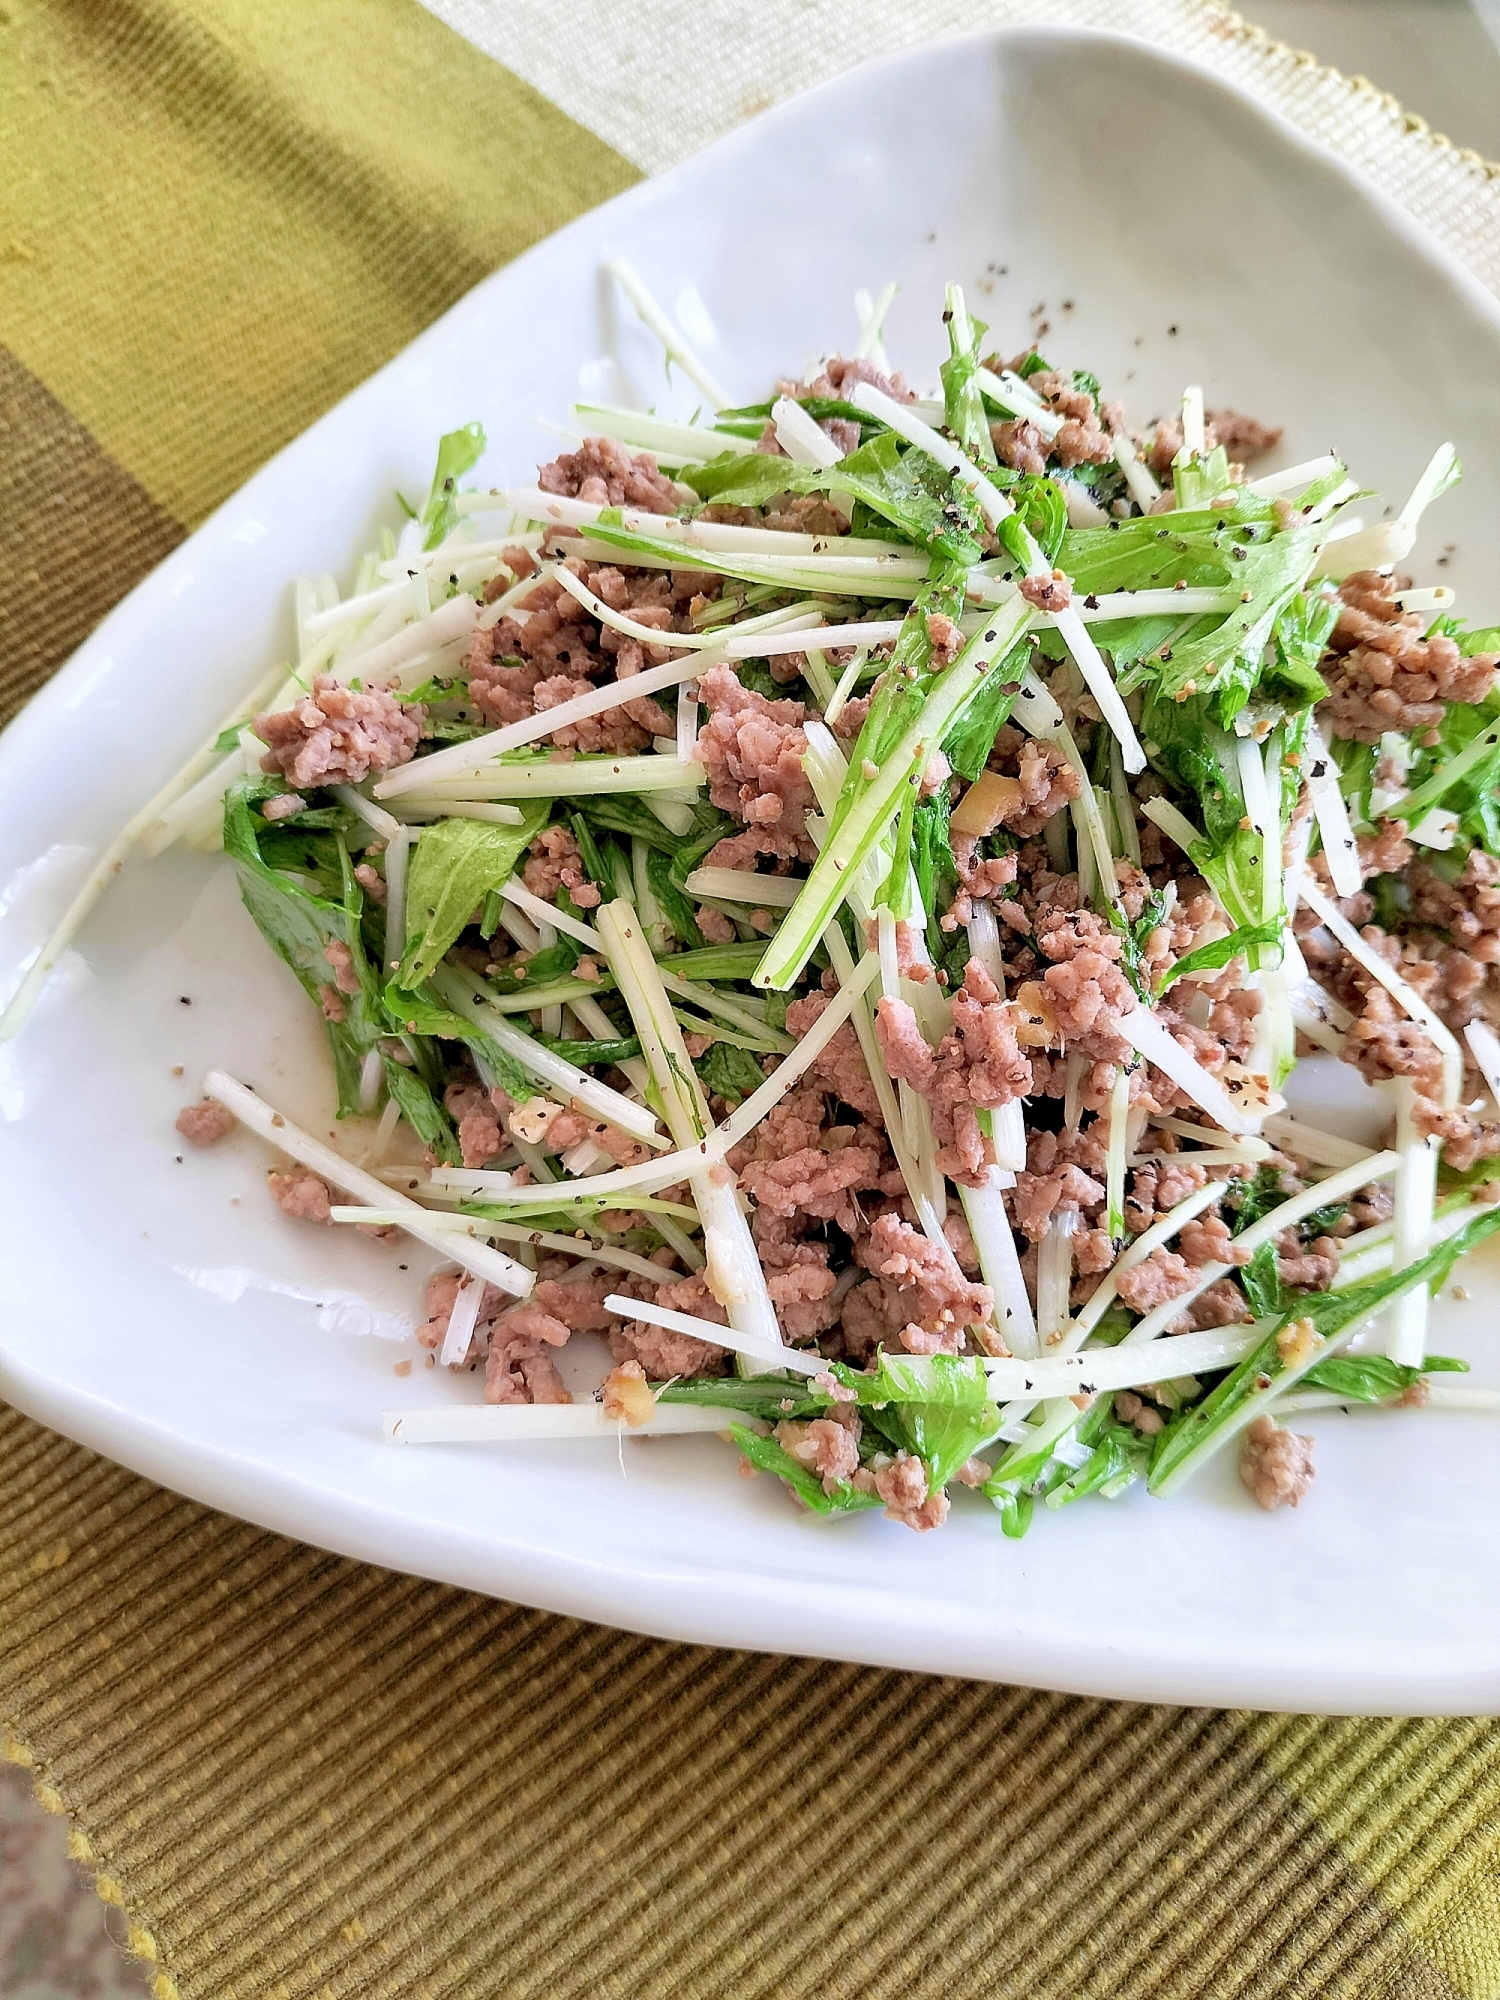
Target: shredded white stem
{"points": [[279, 1131], [461, 1323], [770, 1355], [1101, 1369], [1416, 1194], [1401, 990], [1339, 844], [530, 1423], [677, 348]]}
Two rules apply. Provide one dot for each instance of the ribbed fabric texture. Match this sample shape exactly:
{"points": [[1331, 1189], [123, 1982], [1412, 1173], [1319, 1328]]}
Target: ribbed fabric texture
{"points": [[311, 1780]]}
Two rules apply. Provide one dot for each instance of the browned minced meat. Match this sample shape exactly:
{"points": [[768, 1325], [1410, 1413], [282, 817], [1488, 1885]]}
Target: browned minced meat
{"points": [[1276, 1465], [1383, 674], [337, 735], [284, 805], [1039, 782], [1064, 1170], [1242, 437], [550, 648], [839, 377], [1083, 439], [1206, 1240], [302, 1194], [518, 1370], [554, 863], [917, 1294], [341, 958], [1308, 1267], [664, 1354], [841, 1067], [529, 1320], [1222, 1304], [1163, 1276], [752, 750], [715, 926], [1078, 1001], [902, 1485], [604, 472], [795, 1258], [371, 881], [1048, 593], [976, 1066], [205, 1123], [477, 1117], [796, 1163], [828, 1446], [979, 880], [947, 639], [1157, 1187]]}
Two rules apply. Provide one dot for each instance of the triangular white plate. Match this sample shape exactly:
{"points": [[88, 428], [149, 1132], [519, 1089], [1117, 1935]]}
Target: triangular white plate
{"points": [[1165, 229]]}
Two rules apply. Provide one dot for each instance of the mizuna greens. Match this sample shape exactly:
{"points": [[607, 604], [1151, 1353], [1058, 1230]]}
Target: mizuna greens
{"points": [[837, 887]]}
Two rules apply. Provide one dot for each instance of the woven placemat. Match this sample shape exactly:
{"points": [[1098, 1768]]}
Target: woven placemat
{"points": [[300, 1776]]}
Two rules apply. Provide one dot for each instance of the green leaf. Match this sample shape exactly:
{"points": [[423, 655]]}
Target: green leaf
{"points": [[770, 1397], [969, 743], [665, 874], [1371, 1378], [418, 1011], [1015, 1511], [1120, 1457], [299, 925], [422, 1112], [228, 739], [766, 1455], [537, 969], [458, 451], [729, 1072], [1242, 942], [456, 864], [1261, 1280]]}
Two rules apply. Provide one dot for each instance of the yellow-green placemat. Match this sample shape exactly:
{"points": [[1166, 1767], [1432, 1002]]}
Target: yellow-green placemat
{"points": [[305, 1777]]}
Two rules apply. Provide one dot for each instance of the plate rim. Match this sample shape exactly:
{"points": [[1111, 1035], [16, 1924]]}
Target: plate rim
{"points": [[763, 1612]]}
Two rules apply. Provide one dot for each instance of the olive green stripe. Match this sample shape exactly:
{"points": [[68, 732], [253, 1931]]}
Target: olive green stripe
{"points": [[220, 218], [76, 530]]}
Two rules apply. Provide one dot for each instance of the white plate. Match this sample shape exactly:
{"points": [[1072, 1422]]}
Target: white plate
{"points": [[164, 1314]]}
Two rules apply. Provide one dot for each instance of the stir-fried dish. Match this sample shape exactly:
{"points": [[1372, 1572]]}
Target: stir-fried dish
{"points": [[827, 896]]}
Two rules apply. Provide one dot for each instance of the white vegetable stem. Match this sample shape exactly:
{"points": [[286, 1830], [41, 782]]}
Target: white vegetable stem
{"points": [[1387, 543], [1144, 490], [530, 1423], [678, 350], [1416, 1194], [552, 778], [461, 1322], [1401, 990], [1101, 1369], [465, 993], [279, 1131], [722, 1336], [1339, 844], [482, 1227], [800, 437], [1149, 1035], [735, 1276]]}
